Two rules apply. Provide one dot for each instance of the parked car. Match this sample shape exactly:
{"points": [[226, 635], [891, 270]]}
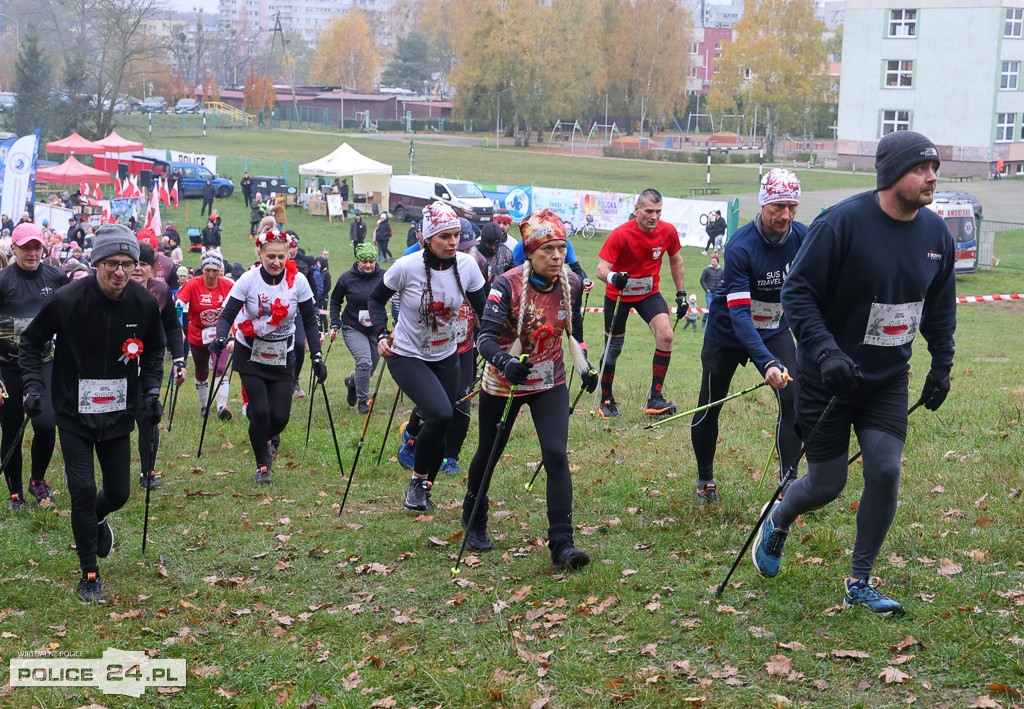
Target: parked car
{"points": [[187, 105], [411, 193], [8, 101], [193, 177], [154, 104], [960, 197]]}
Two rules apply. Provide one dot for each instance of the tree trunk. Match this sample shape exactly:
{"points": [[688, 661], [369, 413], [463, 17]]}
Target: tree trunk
{"points": [[769, 134]]}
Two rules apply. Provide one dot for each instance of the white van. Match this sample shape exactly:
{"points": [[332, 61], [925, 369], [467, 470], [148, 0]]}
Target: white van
{"points": [[411, 193], [959, 217]]}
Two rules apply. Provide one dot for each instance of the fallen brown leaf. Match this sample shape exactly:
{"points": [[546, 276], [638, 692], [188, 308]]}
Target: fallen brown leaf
{"points": [[893, 674], [779, 665]]}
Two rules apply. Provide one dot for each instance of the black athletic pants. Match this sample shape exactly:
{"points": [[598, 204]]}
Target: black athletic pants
{"points": [[550, 412], [270, 406], [432, 386], [43, 427], [89, 506]]}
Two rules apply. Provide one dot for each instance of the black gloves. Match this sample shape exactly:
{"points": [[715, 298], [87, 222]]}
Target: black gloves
{"points": [[590, 379], [319, 368], [839, 373], [178, 368], [681, 300], [218, 346], [33, 405], [936, 387], [152, 409], [515, 371], [619, 280]]}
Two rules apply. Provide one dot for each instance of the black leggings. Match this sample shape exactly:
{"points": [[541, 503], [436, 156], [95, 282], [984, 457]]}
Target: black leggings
{"points": [[550, 412], [383, 251], [432, 386], [87, 505], [43, 427], [270, 405], [463, 413], [719, 367], [300, 347]]}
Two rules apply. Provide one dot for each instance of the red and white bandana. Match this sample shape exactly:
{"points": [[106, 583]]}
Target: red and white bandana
{"points": [[438, 217], [779, 185]]}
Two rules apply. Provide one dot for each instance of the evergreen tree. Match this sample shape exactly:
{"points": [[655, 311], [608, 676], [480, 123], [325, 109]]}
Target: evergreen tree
{"points": [[32, 83], [412, 66]]}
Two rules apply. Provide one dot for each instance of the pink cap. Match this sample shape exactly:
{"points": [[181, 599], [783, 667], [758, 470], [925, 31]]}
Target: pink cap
{"points": [[26, 232]]}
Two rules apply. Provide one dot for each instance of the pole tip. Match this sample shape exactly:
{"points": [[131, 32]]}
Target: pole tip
{"points": [[455, 571], [528, 486], [718, 591]]}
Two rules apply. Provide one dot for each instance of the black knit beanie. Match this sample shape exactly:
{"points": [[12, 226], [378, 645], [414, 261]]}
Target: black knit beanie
{"points": [[899, 152]]}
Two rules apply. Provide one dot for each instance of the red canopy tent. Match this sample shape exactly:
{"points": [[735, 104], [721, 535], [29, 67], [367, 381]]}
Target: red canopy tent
{"points": [[72, 172], [114, 143], [75, 145]]}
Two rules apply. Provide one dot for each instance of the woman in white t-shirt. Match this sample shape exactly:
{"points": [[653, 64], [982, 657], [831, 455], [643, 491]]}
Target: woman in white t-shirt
{"points": [[263, 305], [421, 352]]}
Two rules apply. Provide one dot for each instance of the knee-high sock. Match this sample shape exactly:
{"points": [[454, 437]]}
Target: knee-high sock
{"points": [[659, 368]]}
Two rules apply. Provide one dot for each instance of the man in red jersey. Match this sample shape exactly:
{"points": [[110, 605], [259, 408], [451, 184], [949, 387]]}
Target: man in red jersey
{"points": [[630, 263]]}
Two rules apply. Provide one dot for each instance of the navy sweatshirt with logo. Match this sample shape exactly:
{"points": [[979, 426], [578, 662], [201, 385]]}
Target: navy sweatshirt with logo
{"points": [[744, 312], [856, 267]]}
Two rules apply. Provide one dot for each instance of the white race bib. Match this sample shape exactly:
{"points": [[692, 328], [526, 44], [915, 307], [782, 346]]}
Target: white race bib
{"points": [[364, 318], [101, 396], [273, 353], [19, 327], [639, 286], [893, 324], [437, 342], [766, 316], [542, 376], [208, 335]]}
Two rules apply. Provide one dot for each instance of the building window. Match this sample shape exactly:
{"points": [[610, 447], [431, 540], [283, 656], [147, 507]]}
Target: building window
{"points": [[693, 72], [902, 23], [1004, 127], [1014, 22], [1020, 169], [893, 121], [746, 74], [1008, 76], [899, 74], [694, 48]]}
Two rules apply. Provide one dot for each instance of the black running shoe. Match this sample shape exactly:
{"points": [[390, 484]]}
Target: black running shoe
{"points": [[90, 588], [104, 539], [350, 384], [608, 409], [41, 491], [477, 539], [148, 482], [416, 496], [16, 503], [657, 406], [262, 475], [570, 559], [224, 414]]}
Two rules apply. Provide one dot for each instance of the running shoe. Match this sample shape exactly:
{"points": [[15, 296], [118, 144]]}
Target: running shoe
{"points": [[767, 550], [16, 503], [224, 414], [104, 539], [149, 482], [707, 494], [657, 406], [417, 496], [450, 465], [570, 559], [90, 588], [608, 409], [298, 393], [865, 593], [364, 407], [350, 384], [406, 452], [262, 475], [40, 490], [477, 539]]}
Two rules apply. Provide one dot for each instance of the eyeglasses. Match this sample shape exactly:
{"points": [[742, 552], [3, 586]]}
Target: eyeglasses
{"points": [[112, 266]]}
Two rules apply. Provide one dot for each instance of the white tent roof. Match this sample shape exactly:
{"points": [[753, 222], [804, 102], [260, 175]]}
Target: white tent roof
{"points": [[344, 161]]}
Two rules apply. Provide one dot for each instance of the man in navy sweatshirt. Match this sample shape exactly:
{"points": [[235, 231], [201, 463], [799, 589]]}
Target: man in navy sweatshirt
{"points": [[874, 270]]}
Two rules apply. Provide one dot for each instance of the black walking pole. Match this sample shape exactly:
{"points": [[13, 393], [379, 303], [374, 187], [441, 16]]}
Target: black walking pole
{"points": [[604, 355], [170, 385], [366, 423], [312, 395], [786, 479], [209, 401], [387, 429], [149, 486], [491, 461], [10, 452], [586, 297], [330, 421], [174, 399]]}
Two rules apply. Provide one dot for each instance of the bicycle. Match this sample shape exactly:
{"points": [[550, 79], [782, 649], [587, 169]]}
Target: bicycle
{"points": [[587, 231]]}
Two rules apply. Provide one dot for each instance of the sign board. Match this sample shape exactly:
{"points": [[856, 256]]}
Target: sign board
{"points": [[335, 207], [207, 161]]}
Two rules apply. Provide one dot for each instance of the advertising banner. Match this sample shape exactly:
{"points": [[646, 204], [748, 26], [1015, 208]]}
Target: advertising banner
{"points": [[207, 161], [19, 175]]}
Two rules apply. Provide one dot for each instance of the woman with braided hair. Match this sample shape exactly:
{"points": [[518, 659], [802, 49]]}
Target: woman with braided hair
{"points": [[263, 306], [422, 352], [528, 309]]}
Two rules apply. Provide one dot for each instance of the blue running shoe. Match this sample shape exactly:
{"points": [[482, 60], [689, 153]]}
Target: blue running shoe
{"points": [[865, 593], [707, 494], [450, 465], [767, 550], [406, 454]]}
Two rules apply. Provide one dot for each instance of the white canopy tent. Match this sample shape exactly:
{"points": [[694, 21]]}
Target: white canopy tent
{"points": [[367, 174]]}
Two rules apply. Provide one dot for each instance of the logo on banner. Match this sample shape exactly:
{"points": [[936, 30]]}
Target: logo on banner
{"points": [[517, 202]]}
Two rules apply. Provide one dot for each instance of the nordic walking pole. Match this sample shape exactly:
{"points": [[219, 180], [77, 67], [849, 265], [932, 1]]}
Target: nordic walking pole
{"points": [[790, 474], [586, 297], [856, 455], [491, 461], [170, 385], [387, 429], [209, 400], [309, 418], [604, 355], [706, 406], [149, 486], [330, 421], [680, 315], [174, 399], [466, 398], [359, 449], [529, 485], [14, 444]]}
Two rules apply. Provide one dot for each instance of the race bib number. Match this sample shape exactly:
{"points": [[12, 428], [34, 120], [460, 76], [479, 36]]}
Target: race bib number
{"points": [[437, 342], [364, 318], [892, 325], [639, 286], [208, 335], [766, 316], [20, 325], [102, 396], [273, 353], [542, 376]]}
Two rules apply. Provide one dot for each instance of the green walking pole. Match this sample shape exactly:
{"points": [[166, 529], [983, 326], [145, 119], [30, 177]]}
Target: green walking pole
{"points": [[712, 405]]}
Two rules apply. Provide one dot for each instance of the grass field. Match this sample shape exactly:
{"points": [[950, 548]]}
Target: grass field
{"points": [[275, 601]]}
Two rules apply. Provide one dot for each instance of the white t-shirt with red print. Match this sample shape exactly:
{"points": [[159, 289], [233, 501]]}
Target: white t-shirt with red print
{"points": [[270, 309]]}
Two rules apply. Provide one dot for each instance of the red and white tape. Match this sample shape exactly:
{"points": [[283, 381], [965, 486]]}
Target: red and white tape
{"points": [[988, 298]]}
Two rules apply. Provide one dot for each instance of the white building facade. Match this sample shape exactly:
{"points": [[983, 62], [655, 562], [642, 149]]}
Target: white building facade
{"points": [[950, 69]]}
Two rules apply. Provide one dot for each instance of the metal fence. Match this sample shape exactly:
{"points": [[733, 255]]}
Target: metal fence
{"points": [[1000, 244]]}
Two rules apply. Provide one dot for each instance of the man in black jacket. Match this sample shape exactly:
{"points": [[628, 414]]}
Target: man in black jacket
{"points": [[209, 192], [98, 372], [710, 277], [357, 233], [247, 189], [716, 228]]}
